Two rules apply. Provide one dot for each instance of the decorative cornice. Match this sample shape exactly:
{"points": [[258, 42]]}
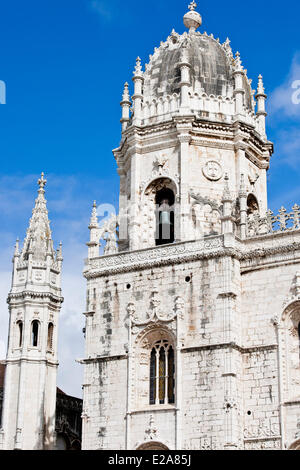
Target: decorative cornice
{"points": [[143, 259], [91, 360], [232, 345], [205, 248], [27, 293]]}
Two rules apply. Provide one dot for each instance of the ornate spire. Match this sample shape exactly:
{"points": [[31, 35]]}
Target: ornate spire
{"points": [[38, 240], [59, 252], [138, 68], [42, 182], [94, 218], [125, 96], [17, 252], [192, 19], [227, 197], [260, 87], [238, 62]]}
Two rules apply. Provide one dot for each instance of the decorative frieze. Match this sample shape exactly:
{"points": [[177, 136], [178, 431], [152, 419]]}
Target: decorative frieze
{"points": [[175, 253]]}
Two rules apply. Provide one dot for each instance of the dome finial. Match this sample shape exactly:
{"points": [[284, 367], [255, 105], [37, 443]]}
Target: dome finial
{"points": [[42, 182], [192, 6], [192, 19]]}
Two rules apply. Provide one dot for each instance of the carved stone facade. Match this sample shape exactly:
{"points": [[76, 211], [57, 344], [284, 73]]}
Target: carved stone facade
{"points": [[193, 344]]}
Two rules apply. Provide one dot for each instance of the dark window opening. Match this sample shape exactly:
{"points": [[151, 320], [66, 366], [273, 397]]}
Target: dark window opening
{"points": [[252, 205], [153, 377], [162, 374], [164, 216], [20, 325], [35, 332]]}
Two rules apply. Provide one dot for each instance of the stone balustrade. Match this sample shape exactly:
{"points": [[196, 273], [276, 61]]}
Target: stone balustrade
{"points": [[270, 223]]}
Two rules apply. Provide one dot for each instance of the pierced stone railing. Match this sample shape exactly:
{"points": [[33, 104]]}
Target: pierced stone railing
{"points": [[283, 221]]}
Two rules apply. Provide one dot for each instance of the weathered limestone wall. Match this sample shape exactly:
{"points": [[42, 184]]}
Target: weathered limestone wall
{"points": [[105, 396], [236, 388]]}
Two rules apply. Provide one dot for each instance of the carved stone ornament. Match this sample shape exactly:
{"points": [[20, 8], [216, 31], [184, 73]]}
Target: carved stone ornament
{"points": [[229, 404], [266, 428], [160, 166], [204, 200], [151, 431], [212, 170], [154, 314]]}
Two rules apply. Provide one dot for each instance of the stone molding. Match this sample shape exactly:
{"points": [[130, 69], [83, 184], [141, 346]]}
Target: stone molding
{"points": [[241, 349], [184, 350], [155, 256], [90, 360], [205, 248], [41, 295]]}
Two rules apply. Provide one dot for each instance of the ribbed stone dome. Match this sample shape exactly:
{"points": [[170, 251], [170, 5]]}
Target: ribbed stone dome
{"points": [[211, 71]]}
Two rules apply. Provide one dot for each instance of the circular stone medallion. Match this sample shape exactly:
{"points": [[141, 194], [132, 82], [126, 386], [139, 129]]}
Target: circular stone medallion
{"points": [[212, 170]]}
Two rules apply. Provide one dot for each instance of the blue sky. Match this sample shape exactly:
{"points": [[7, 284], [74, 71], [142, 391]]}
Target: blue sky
{"points": [[64, 63]]}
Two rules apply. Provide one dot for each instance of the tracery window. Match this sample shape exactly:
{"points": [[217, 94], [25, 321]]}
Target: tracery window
{"points": [[162, 370]]}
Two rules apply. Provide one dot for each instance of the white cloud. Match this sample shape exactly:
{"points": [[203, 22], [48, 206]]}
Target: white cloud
{"points": [[102, 8], [284, 100], [287, 148]]}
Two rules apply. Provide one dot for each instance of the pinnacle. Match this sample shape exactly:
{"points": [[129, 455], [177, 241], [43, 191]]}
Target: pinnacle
{"points": [[38, 237]]}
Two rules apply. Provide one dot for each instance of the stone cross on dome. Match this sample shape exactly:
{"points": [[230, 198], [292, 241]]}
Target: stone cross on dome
{"points": [[42, 181], [192, 6], [192, 19]]}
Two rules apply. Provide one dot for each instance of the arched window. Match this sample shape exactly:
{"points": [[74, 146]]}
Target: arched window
{"points": [[164, 216], [20, 327], [35, 332], [50, 336], [299, 337], [252, 205], [162, 370]]}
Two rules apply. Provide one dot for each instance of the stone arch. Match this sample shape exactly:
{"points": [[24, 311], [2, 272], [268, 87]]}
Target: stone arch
{"points": [[295, 445], [19, 333], [62, 441], [148, 207], [152, 445], [290, 349], [252, 205], [35, 333], [142, 353]]}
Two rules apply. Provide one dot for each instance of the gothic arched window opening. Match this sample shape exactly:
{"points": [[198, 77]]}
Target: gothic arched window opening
{"points": [[164, 201], [50, 337], [299, 337], [35, 332], [252, 205], [20, 326], [162, 372]]}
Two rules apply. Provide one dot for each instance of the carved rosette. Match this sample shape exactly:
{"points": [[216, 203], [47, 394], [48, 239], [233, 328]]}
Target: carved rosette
{"points": [[212, 170]]}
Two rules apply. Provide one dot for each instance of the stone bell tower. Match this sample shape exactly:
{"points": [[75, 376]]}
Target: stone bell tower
{"points": [[193, 122], [181, 352], [28, 419]]}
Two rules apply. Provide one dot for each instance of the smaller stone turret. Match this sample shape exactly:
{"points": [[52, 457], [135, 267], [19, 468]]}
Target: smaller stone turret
{"points": [[34, 302]]}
